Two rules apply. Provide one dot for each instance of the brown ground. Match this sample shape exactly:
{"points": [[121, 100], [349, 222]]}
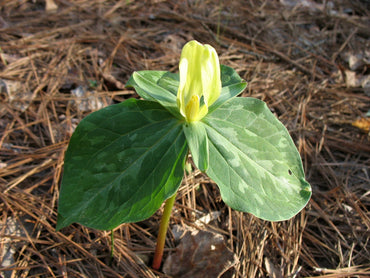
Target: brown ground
{"points": [[300, 60]]}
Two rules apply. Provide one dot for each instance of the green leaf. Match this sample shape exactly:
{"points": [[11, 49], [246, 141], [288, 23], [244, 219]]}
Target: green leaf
{"points": [[196, 137], [232, 85], [151, 75], [146, 85], [170, 81], [254, 161], [122, 162], [229, 76], [162, 86]]}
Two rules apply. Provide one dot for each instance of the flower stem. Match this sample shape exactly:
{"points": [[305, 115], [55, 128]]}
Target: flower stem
{"points": [[157, 260]]}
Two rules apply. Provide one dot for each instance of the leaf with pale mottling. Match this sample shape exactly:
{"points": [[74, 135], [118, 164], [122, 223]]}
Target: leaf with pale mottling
{"points": [[122, 162], [254, 161]]}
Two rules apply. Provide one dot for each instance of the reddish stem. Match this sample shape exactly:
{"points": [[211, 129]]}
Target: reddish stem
{"points": [[157, 260]]}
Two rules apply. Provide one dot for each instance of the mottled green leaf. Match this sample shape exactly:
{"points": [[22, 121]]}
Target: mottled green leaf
{"points": [[254, 161], [170, 81], [122, 162], [151, 76], [161, 86], [146, 84], [232, 85]]}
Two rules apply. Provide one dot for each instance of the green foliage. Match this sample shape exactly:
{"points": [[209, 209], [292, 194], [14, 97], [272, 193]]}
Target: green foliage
{"points": [[254, 161], [125, 160], [122, 162]]}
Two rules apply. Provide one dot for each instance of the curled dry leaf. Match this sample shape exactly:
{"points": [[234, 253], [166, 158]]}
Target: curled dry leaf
{"points": [[50, 6], [11, 227], [357, 61], [200, 254], [272, 270], [87, 100], [354, 80], [16, 94]]}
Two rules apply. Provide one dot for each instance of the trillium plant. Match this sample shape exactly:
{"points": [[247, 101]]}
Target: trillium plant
{"points": [[125, 160]]}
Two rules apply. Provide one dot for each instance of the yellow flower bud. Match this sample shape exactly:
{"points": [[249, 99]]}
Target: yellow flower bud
{"points": [[200, 80]]}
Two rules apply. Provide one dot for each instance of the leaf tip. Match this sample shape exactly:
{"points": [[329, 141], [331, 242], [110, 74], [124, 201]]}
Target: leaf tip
{"points": [[61, 222], [306, 190]]}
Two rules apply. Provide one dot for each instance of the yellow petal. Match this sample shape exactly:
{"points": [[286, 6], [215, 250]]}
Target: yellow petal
{"points": [[212, 77], [199, 76], [192, 109]]}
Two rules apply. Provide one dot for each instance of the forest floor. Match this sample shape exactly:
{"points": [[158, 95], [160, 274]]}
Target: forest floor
{"points": [[308, 60]]}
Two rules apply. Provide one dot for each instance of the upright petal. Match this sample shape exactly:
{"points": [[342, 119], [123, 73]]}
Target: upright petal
{"points": [[212, 76], [200, 81]]}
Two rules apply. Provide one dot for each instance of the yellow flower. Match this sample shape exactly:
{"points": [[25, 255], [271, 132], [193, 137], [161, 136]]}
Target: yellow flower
{"points": [[200, 81]]}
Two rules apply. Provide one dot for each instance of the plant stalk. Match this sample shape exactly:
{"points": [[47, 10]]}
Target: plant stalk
{"points": [[157, 260]]}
